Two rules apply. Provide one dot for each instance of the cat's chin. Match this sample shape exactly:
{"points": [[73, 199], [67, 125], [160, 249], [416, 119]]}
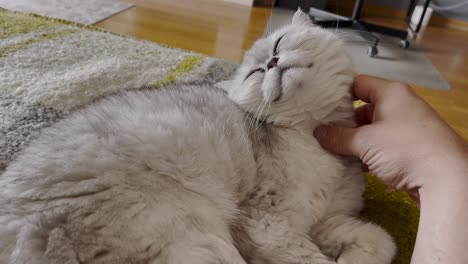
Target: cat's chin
{"points": [[271, 86]]}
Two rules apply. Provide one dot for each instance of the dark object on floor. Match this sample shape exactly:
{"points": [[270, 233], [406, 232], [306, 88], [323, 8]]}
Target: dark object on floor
{"points": [[355, 22]]}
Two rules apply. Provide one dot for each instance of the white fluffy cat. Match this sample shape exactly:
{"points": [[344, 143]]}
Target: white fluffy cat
{"points": [[189, 175]]}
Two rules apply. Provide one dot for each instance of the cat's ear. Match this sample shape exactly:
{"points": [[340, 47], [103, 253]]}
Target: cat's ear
{"points": [[224, 85], [301, 18]]}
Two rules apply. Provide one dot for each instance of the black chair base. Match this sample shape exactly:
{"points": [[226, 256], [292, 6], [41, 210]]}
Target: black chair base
{"points": [[363, 27]]}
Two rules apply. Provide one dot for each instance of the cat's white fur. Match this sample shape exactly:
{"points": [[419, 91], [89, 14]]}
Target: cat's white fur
{"points": [[186, 175]]}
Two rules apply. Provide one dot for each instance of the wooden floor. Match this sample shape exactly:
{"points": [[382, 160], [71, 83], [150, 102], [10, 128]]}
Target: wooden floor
{"points": [[224, 30]]}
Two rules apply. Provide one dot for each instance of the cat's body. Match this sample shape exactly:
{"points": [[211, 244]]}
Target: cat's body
{"points": [[190, 175], [139, 176], [122, 189]]}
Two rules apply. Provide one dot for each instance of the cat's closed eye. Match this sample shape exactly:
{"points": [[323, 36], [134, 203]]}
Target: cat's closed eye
{"points": [[254, 71], [275, 47]]}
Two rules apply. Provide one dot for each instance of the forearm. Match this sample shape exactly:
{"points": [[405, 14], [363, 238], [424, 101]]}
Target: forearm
{"points": [[442, 234]]}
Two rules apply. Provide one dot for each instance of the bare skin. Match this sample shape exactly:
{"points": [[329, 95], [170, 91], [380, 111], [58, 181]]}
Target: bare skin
{"points": [[408, 146]]}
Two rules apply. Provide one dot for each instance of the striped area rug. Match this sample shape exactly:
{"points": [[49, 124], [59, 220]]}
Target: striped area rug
{"points": [[49, 67]]}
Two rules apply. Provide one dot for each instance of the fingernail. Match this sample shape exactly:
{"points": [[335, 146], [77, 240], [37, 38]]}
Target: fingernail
{"points": [[321, 131]]}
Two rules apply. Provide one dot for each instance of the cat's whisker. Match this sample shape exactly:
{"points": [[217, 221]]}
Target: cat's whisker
{"points": [[268, 17], [261, 114], [253, 118], [258, 108], [299, 45], [352, 33], [352, 30], [257, 113], [266, 114], [268, 20], [369, 42], [269, 109], [253, 106], [337, 18]]}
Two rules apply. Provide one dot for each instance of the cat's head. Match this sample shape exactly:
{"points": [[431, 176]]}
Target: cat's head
{"points": [[298, 72]]}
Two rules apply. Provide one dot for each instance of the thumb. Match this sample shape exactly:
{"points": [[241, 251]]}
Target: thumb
{"points": [[338, 140]]}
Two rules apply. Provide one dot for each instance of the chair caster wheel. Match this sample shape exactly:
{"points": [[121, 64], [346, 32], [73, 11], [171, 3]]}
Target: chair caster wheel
{"points": [[404, 44], [372, 51]]}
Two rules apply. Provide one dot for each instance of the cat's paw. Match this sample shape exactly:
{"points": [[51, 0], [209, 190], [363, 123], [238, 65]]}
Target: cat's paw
{"points": [[377, 248]]}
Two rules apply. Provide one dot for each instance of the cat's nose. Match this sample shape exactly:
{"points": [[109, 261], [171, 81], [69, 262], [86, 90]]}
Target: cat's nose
{"points": [[272, 63]]}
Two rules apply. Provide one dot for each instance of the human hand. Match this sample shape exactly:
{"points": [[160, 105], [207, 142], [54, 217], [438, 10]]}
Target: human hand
{"points": [[408, 146], [400, 137]]}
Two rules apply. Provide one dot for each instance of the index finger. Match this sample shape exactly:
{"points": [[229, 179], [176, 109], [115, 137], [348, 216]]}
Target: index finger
{"points": [[368, 88]]}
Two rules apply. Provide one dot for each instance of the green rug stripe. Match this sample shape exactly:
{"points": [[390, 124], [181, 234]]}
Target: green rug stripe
{"points": [[396, 212], [12, 23], [46, 36], [15, 23], [185, 66]]}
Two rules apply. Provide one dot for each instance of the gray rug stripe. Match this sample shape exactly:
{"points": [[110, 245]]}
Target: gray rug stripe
{"points": [[85, 12]]}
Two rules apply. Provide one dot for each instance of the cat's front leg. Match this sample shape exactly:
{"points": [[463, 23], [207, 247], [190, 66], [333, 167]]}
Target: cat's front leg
{"points": [[352, 241], [280, 243]]}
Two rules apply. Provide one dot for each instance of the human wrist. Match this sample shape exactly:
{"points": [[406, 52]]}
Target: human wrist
{"points": [[444, 209], [443, 163], [447, 176]]}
